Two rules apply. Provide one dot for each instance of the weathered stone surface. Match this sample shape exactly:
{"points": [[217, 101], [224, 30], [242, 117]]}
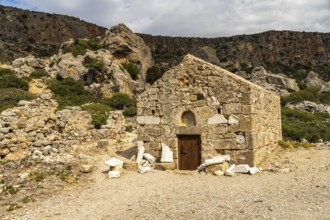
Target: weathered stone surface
{"points": [[120, 40], [165, 166], [4, 152], [217, 119], [86, 168], [313, 80], [310, 107], [149, 120], [274, 82], [102, 143], [241, 168], [233, 119], [218, 173], [130, 166]]}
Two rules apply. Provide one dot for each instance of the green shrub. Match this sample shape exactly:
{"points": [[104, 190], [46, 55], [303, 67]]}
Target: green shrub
{"points": [[94, 63], [298, 125], [132, 69], [301, 85], [38, 73], [98, 112], [129, 128], [67, 86], [69, 92], [120, 101], [153, 74], [80, 46], [310, 94], [9, 97], [130, 111], [8, 79]]}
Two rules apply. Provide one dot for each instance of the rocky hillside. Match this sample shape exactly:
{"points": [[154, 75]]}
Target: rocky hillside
{"points": [[288, 52], [25, 32]]}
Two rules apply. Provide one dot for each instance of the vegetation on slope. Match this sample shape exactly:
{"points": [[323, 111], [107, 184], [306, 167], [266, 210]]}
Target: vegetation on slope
{"points": [[298, 124], [12, 89]]}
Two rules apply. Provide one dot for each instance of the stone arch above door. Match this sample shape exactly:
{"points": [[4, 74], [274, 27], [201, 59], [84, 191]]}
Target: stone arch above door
{"points": [[188, 119]]}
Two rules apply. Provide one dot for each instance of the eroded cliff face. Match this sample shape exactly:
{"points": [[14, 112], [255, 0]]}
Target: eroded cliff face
{"points": [[25, 32], [288, 52]]}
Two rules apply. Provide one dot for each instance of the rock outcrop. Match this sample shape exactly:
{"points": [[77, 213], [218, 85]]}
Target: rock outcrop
{"points": [[273, 82], [313, 80], [208, 54], [25, 32], [310, 107], [285, 52], [124, 44], [24, 66]]}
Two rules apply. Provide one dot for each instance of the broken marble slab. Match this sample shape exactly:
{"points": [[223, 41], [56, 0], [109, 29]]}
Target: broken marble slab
{"points": [[113, 174], [113, 162], [167, 154], [241, 168], [254, 170], [149, 157], [229, 171], [141, 150], [217, 159]]}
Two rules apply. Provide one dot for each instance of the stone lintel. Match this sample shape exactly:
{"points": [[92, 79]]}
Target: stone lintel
{"points": [[217, 119], [148, 120], [189, 130]]}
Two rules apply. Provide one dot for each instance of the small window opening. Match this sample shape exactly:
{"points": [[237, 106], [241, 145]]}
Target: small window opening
{"points": [[188, 118], [219, 110], [153, 112], [200, 96]]}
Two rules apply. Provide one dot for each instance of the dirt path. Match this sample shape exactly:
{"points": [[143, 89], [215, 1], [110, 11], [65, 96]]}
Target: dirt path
{"points": [[298, 187]]}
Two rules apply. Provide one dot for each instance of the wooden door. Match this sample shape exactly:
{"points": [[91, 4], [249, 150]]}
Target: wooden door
{"points": [[189, 152]]}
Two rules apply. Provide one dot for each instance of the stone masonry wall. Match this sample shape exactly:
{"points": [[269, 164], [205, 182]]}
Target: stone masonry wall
{"points": [[224, 106], [36, 128]]}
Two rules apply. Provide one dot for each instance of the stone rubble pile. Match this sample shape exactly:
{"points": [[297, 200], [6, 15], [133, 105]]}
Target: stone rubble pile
{"points": [[219, 166], [37, 129]]}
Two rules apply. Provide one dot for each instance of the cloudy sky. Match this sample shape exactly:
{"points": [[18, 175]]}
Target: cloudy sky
{"points": [[195, 18]]}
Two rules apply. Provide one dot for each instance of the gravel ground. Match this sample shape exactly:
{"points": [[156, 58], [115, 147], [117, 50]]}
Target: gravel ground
{"points": [[295, 184]]}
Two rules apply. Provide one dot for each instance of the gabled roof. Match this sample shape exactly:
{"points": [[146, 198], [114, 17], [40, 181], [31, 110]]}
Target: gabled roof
{"points": [[216, 70]]}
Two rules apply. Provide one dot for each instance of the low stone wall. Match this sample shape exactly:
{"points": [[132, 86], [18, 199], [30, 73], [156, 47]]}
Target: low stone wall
{"points": [[37, 128]]}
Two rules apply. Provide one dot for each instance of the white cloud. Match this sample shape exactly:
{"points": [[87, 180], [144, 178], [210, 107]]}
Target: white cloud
{"points": [[210, 18]]}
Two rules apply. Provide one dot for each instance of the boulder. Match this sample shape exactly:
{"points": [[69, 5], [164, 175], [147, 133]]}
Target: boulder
{"points": [[273, 82], [313, 80], [123, 43], [208, 54]]}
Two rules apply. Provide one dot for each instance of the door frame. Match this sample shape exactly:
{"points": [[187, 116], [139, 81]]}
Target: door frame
{"points": [[196, 136]]}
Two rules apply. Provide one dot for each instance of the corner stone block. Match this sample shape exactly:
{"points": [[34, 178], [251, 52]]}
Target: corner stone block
{"points": [[148, 120], [233, 119], [217, 119]]}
